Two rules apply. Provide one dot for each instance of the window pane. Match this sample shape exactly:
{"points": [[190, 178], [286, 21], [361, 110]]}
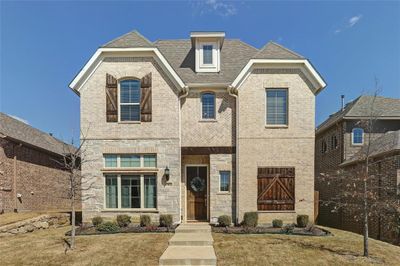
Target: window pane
{"points": [[130, 191], [130, 91], [149, 160], [130, 112], [130, 161], [111, 191], [110, 160], [207, 54], [225, 181], [208, 105], [358, 135], [276, 106], [150, 191]]}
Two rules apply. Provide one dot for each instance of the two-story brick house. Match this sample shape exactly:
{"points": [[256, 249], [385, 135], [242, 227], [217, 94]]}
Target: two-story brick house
{"points": [[198, 128]]}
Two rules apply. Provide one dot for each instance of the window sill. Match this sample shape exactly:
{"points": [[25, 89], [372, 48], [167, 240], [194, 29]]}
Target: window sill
{"points": [[131, 210], [276, 126], [130, 170], [208, 120], [357, 144], [129, 122], [224, 193], [289, 211]]}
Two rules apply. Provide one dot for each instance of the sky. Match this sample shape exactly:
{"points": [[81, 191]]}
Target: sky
{"points": [[43, 45]]}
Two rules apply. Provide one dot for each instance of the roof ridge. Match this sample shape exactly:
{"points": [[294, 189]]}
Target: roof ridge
{"points": [[126, 34], [245, 43], [286, 49]]}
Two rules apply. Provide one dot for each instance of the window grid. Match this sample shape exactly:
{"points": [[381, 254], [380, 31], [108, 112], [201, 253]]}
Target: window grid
{"points": [[130, 100], [110, 160], [358, 136], [130, 191], [130, 160], [276, 106], [111, 191], [208, 105], [207, 54], [225, 181]]}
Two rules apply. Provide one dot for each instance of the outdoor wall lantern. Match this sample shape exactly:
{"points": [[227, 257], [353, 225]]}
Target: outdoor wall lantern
{"points": [[166, 173]]}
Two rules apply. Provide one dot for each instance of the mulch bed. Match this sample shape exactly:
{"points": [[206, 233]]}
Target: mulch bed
{"points": [[307, 231], [91, 230]]}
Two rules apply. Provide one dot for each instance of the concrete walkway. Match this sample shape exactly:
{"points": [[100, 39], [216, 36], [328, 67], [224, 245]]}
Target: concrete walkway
{"points": [[192, 244]]}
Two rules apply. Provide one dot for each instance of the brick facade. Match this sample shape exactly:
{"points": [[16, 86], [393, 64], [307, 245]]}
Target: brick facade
{"points": [[43, 185]]}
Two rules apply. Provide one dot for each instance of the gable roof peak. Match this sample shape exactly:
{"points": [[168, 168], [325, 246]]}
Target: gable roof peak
{"points": [[273, 50], [131, 39]]}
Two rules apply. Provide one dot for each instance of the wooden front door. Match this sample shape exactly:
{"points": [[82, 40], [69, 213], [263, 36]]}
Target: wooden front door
{"points": [[196, 185]]}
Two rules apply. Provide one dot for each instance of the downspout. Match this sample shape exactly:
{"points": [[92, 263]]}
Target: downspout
{"points": [[234, 93], [185, 92]]}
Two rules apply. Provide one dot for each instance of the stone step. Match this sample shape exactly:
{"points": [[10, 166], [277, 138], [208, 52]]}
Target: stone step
{"points": [[188, 255], [193, 228], [191, 239]]}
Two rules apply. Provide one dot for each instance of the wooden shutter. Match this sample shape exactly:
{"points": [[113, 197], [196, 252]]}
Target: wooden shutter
{"points": [[111, 99], [275, 188], [145, 101]]}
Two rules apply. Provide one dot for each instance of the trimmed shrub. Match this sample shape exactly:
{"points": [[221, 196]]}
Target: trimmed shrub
{"points": [[107, 227], [145, 220], [166, 220], [250, 219], [97, 220], [123, 220], [277, 223], [224, 220], [302, 220]]}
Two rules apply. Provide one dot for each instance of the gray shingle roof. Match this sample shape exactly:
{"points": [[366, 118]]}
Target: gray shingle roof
{"points": [[179, 53], [360, 107], [273, 50], [130, 39], [19, 131], [390, 141]]}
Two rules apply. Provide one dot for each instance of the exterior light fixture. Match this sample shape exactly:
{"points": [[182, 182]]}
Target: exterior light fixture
{"points": [[166, 173]]}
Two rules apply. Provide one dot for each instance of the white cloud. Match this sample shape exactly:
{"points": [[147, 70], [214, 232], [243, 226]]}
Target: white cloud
{"points": [[219, 7], [20, 119], [351, 22]]}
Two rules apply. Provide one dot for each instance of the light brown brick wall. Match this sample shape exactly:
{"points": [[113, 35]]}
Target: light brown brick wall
{"points": [[261, 146]]}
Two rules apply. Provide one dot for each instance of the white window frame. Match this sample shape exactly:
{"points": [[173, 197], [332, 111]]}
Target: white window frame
{"points": [[266, 108], [230, 182], [352, 137], [119, 190], [141, 155], [201, 106], [200, 65], [119, 101]]}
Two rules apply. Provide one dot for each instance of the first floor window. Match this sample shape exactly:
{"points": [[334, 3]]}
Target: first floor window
{"points": [[224, 181], [131, 191], [277, 107], [111, 191], [358, 136]]}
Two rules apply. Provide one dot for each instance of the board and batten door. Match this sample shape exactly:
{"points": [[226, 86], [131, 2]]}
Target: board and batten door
{"points": [[196, 178]]}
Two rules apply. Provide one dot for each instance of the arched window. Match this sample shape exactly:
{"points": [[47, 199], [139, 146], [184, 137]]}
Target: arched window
{"points": [[357, 136], [129, 100], [208, 105]]}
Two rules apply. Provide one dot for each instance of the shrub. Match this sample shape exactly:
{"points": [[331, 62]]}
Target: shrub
{"points": [[302, 220], [145, 220], [224, 220], [250, 219], [107, 227], [277, 223], [97, 220], [166, 220], [123, 220]]}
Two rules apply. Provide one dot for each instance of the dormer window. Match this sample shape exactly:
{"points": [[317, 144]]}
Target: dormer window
{"points": [[207, 47]]}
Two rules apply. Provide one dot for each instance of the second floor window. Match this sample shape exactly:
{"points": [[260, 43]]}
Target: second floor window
{"points": [[129, 100], [357, 136], [277, 107], [208, 105]]}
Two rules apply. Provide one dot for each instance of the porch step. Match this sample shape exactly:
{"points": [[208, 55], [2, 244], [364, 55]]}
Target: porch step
{"points": [[191, 239], [193, 228], [189, 255]]}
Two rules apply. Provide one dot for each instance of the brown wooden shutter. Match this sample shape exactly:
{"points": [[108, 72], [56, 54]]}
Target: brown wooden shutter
{"points": [[111, 99], [145, 101], [275, 188]]}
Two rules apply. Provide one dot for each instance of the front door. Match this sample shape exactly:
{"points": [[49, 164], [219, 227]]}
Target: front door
{"points": [[196, 184]]}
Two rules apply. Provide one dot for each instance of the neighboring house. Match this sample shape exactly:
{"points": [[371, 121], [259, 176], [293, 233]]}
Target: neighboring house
{"points": [[31, 179], [340, 141], [198, 128]]}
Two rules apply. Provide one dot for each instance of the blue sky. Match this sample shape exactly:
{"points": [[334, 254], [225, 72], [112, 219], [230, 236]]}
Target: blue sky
{"points": [[44, 44]]}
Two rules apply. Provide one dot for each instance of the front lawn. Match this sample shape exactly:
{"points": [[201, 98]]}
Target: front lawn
{"points": [[12, 217], [46, 247], [343, 248]]}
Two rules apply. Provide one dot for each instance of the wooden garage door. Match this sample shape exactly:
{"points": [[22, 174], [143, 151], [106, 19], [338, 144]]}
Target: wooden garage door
{"points": [[275, 188]]}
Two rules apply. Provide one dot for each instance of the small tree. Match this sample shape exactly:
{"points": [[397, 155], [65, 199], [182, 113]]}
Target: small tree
{"points": [[359, 189]]}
